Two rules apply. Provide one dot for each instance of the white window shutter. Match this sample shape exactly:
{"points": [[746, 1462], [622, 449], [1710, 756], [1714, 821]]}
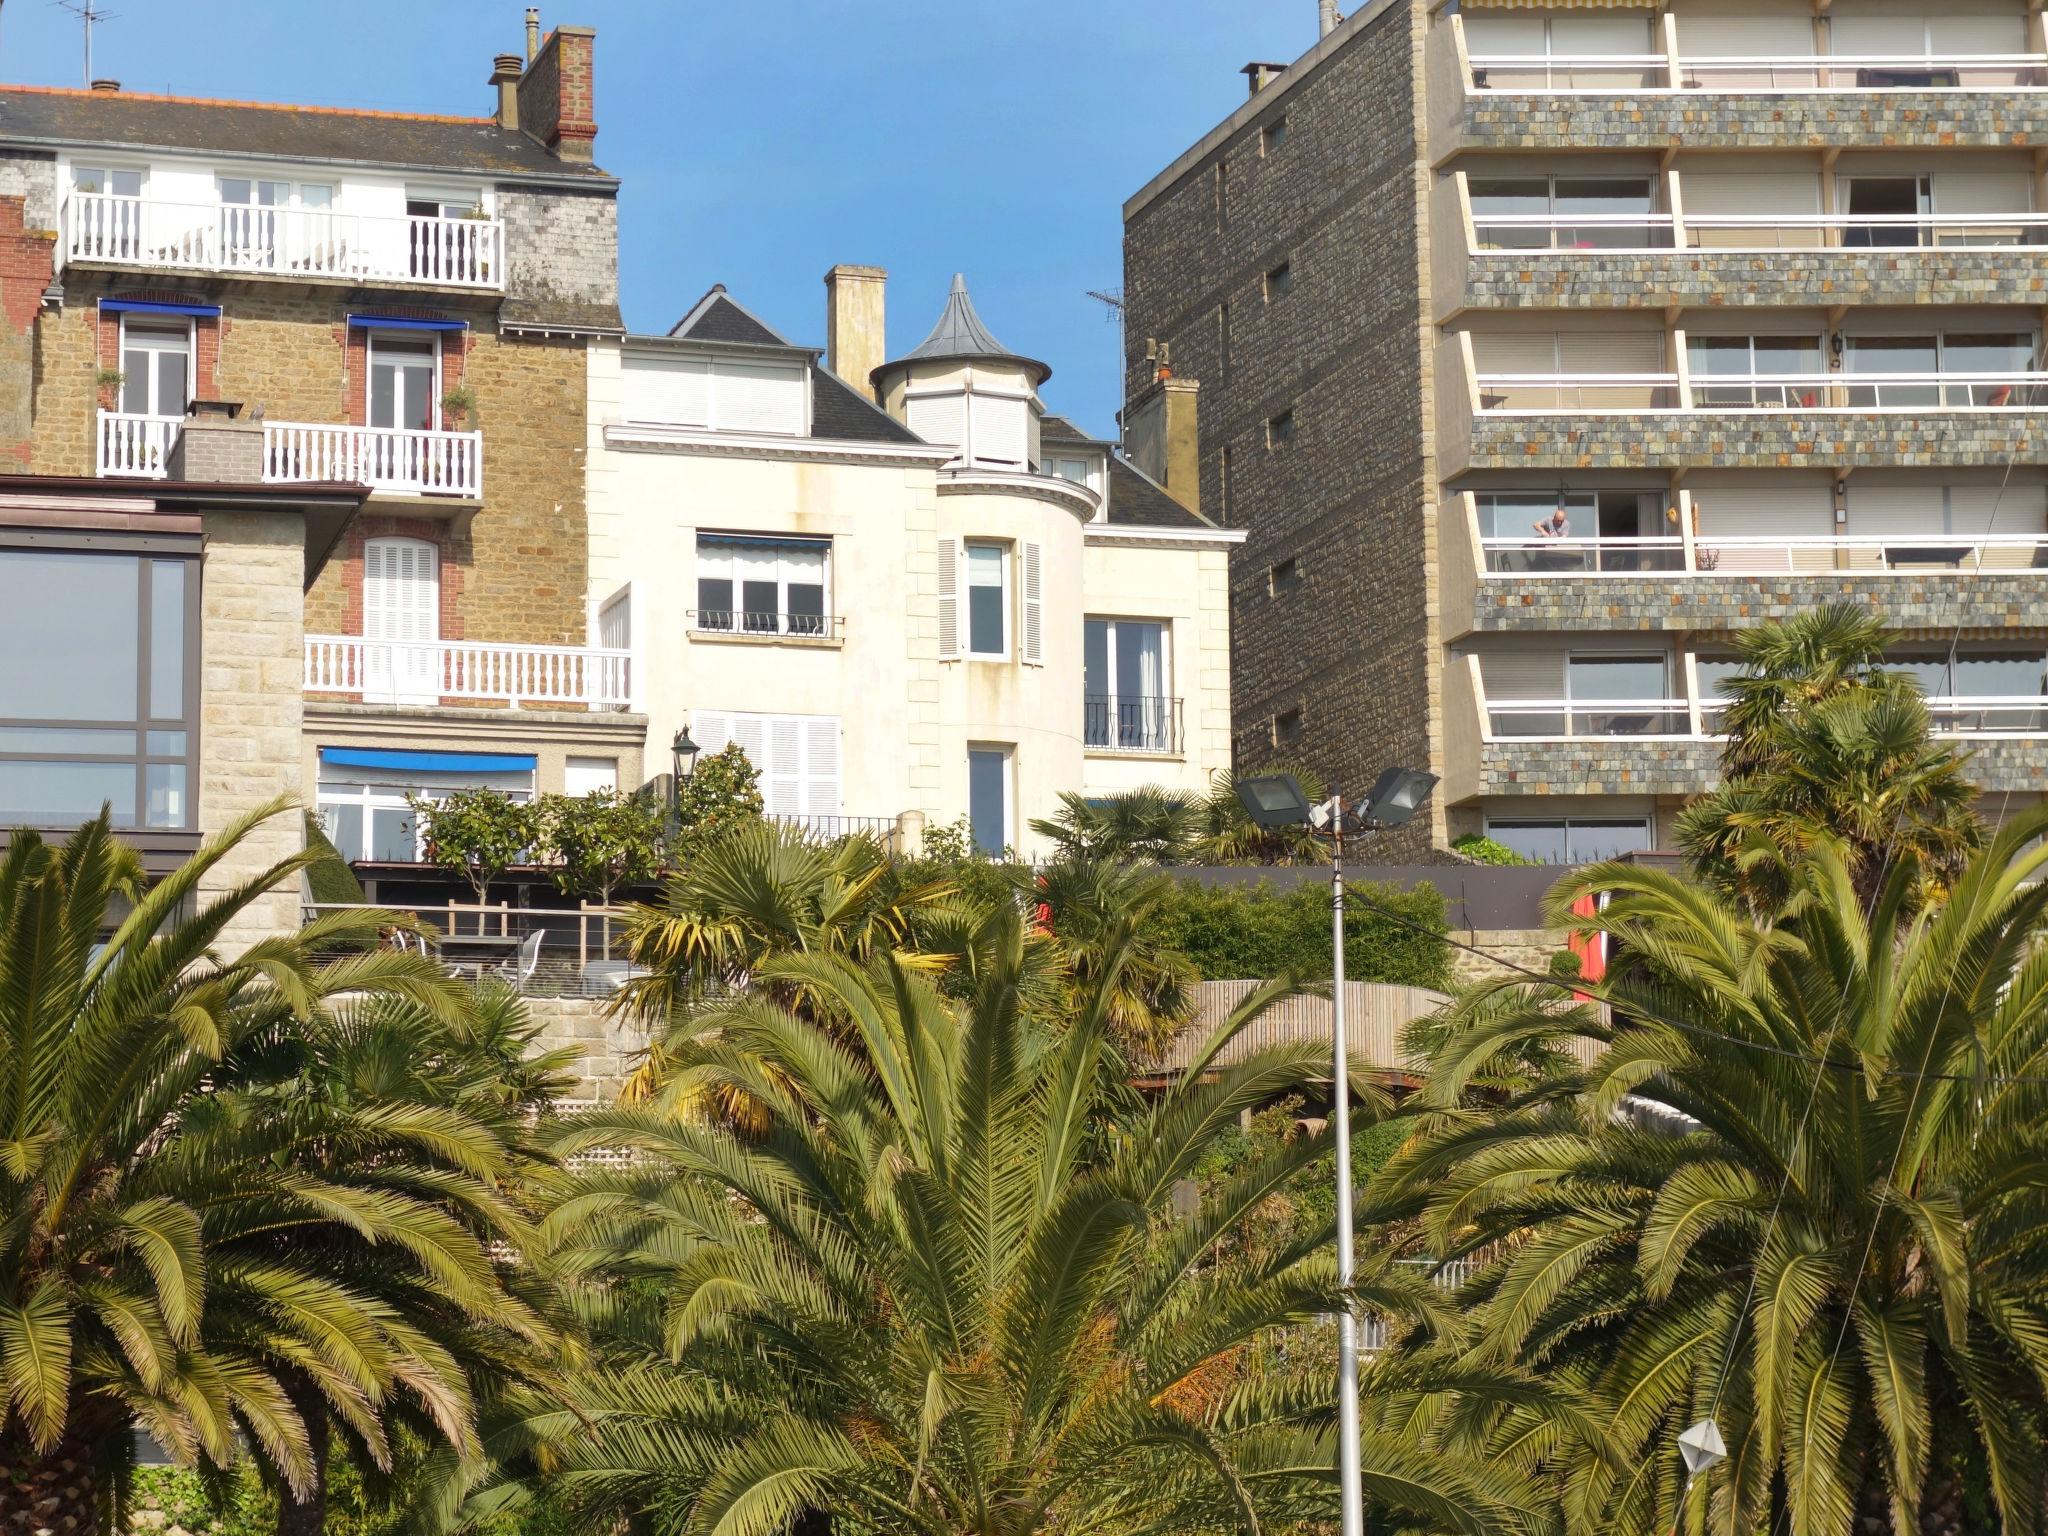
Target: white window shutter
{"points": [[949, 599], [712, 731], [996, 431], [758, 397], [821, 765], [1031, 557], [751, 732], [939, 419], [401, 590], [782, 782]]}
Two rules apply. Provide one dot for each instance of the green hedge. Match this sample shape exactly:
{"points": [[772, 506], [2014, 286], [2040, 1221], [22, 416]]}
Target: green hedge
{"points": [[1237, 932]]}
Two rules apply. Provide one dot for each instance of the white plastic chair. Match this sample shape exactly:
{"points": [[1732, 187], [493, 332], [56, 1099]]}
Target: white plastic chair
{"points": [[520, 971]]}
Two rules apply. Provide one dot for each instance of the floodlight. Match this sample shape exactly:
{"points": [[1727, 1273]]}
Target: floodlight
{"points": [[1273, 800], [1397, 796]]}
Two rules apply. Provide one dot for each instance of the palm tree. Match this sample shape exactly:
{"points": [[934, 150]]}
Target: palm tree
{"points": [[944, 1286], [1156, 825], [1825, 741], [1795, 1190], [1099, 912], [162, 1219]]}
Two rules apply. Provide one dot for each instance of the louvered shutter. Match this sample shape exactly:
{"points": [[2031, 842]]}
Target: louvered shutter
{"points": [[758, 397], [1031, 557], [1522, 674], [1610, 352], [674, 391], [821, 765], [1762, 512], [1515, 352], [1498, 34], [1983, 192], [782, 781], [1575, 36], [1744, 37], [1977, 34], [712, 731], [949, 599], [996, 431], [1975, 511], [1887, 509], [1876, 37], [938, 419]]}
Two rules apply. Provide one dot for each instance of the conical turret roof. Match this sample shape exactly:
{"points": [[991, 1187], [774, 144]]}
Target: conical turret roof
{"points": [[961, 335]]}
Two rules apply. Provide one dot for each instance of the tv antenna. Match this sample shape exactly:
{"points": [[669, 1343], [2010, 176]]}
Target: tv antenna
{"points": [[1112, 302], [87, 13]]}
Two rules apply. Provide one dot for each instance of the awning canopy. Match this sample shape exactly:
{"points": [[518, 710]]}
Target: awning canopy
{"points": [[157, 307], [430, 762], [405, 323]]}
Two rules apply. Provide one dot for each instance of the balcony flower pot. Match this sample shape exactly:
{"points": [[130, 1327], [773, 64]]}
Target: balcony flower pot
{"points": [[458, 409]]}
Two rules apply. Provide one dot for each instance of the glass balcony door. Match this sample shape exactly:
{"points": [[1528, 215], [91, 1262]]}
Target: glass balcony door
{"points": [[1123, 667]]}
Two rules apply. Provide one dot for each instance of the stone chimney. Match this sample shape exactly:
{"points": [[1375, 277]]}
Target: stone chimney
{"points": [[1327, 17], [505, 78], [556, 98], [1161, 438], [532, 32], [854, 343], [217, 446], [1259, 76]]}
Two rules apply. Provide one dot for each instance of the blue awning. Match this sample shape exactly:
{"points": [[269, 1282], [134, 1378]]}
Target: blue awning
{"points": [[430, 762], [406, 323], [158, 307]]}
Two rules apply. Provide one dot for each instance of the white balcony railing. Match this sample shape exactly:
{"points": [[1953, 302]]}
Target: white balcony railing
{"points": [[1777, 74], [1580, 719], [1597, 394], [1516, 234], [290, 242], [424, 463], [1904, 554], [129, 444], [1960, 716], [425, 672]]}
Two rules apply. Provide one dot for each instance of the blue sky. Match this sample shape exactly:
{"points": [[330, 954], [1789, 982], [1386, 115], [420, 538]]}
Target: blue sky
{"points": [[762, 140]]}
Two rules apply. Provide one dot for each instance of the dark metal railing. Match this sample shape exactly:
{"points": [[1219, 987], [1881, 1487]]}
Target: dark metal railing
{"points": [[1131, 723], [739, 621]]}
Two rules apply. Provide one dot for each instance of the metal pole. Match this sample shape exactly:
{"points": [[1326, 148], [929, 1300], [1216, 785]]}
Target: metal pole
{"points": [[1347, 1321]]}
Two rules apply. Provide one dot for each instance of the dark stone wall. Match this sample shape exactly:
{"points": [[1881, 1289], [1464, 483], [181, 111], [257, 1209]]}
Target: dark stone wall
{"points": [[1338, 200], [1987, 119], [2012, 603]]}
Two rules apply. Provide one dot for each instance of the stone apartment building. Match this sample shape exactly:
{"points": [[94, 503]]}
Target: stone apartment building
{"points": [[1543, 347], [390, 308]]}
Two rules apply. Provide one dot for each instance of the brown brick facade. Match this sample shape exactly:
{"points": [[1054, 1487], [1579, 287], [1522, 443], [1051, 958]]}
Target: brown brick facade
{"points": [[25, 266], [1348, 499]]}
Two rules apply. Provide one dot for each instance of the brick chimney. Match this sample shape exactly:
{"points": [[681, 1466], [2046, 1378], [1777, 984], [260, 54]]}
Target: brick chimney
{"points": [[556, 100], [1161, 438], [854, 344], [505, 73], [217, 446]]}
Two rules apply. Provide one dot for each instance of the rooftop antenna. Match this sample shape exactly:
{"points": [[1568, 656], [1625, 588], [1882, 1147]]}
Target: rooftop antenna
{"points": [[1112, 302], [87, 13]]}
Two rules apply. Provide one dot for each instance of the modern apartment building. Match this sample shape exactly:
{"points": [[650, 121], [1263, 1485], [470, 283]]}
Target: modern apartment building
{"points": [[393, 309], [905, 589], [1543, 347]]}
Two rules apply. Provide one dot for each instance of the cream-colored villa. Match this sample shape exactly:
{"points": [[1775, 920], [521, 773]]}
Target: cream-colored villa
{"points": [[909, 593]]}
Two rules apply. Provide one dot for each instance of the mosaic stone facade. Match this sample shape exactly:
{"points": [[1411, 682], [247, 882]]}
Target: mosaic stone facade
{"points": [[1930, 602], [1877, 120], [1621, 766], [1757, 440]]}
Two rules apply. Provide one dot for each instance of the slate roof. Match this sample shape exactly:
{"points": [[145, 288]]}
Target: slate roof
{"points": [[1057, 429], [838, 410], [51, 116], [718, 316], [1138, 500], [960, 334]]}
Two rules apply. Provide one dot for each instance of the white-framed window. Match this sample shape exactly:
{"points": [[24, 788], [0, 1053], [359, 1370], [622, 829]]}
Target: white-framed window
{"points": [[990, 802], [1571, 839], [156, 364], [589, 775], [763, 584], [797, 755], [401, 621], [1127, 687], [988, 600], [109, 180], [405, 380], [989, 429], [365, 811], [1072, 467]]}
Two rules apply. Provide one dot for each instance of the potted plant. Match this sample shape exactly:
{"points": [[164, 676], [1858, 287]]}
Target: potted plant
{"points": [[108, 381], [458, 405]]}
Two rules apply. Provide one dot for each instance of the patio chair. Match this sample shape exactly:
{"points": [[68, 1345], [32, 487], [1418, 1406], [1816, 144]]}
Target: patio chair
{"points": [[520, 971]]}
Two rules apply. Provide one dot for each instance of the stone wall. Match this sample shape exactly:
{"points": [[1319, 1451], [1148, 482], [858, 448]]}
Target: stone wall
{"points": [[1349, 643], [252, 663], [1987, 119], [1598, 766], [1920, 602], [608, 1046], [1738, 280], [1502, 954], [1756, 440]]}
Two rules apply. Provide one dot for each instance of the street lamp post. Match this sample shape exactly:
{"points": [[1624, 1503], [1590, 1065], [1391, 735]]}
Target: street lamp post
{"points": [[1276, 800], [683, 759]]}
